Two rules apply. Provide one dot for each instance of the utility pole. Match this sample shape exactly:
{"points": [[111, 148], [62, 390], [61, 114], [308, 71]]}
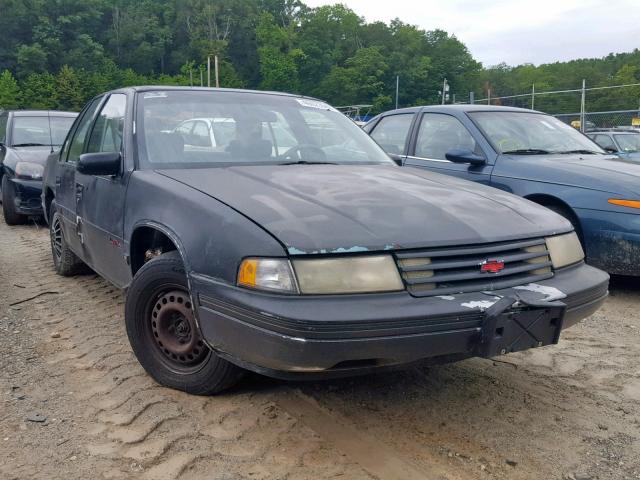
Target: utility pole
{"points": [[208, 70], [583, 102], [445, 91], [397, 89], [216, 69], [488, 96], [533, 96]]}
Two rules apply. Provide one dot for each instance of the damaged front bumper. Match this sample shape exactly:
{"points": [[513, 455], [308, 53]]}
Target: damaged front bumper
{"points": [[27, 196], [339, 335]]}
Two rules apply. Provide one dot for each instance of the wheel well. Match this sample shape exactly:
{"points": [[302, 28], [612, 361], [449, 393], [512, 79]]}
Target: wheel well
{"points": [[564, 209], [147, 243]]}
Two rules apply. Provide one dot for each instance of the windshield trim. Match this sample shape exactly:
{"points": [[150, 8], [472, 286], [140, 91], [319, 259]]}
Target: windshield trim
{"points": [[496, 149]]}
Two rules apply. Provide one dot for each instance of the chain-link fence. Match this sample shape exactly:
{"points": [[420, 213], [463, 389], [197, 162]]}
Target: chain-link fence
{"points": [[584, 108]]}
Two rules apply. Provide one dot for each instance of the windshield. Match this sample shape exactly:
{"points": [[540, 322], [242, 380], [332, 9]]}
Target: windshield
{"points": [[34, 131], [532, 133], [194, 129], [629, 143]]}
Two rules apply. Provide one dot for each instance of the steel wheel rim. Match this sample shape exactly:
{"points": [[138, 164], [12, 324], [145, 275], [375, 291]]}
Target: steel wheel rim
{"points": [[174, 331], [56, 237]]}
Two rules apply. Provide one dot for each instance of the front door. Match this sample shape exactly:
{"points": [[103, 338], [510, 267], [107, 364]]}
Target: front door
{"points": [[100, 199], [437, 134]]}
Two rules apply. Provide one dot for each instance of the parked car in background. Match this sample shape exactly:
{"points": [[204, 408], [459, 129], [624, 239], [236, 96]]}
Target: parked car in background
{"points": [[623, 143], [324, 259], [532, 155], [27, 137]]}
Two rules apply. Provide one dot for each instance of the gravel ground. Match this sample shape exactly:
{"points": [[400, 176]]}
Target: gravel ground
{"points": [[75, 404]]}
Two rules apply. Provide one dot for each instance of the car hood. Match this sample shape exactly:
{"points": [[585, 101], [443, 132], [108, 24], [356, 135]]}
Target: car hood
{"points": [[608, 173], [344, 208], [32, 154]]}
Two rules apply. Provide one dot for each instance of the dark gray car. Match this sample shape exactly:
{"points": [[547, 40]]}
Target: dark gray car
{"points": [[295, 247]]}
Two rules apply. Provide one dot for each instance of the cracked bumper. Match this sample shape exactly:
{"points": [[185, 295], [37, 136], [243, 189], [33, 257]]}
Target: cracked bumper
{"points": [[289, 336]]}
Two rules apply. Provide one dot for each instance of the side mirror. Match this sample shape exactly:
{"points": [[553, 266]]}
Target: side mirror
{"points": [[104, 163], [610, 150], [399, 159], [462, 155]]}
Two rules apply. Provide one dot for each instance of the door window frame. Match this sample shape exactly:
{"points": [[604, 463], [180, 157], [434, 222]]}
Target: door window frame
{"points": [[407, 140], [66, 146], [416, 132]]}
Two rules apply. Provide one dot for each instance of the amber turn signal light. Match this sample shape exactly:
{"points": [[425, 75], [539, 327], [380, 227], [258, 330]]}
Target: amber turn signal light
{"points": [[625, 203]]}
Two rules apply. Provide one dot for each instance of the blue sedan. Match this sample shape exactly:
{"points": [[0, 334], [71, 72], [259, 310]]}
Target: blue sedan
{"points": [[532, 155]]}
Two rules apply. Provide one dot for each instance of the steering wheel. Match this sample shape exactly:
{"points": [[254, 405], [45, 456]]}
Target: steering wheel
{"points": [[304, 151]]}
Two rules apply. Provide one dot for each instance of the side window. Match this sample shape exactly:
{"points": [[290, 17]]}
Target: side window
{"points": [[440, 133], [605, 141], [391, 132], [3, 128], [200, 136], [106, 135], [75, 146]]}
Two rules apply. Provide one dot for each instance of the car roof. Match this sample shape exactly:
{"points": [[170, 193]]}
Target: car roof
{"points": [[42, 113], [614, 131], [164, 88], [466, 108]]}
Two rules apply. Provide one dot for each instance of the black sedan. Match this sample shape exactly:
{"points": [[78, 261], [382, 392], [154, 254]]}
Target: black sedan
{"points": [[288, 243], [27, 137]]}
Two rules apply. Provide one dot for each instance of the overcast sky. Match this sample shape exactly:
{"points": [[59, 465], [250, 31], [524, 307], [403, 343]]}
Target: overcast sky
{"points": [[518, 31]]}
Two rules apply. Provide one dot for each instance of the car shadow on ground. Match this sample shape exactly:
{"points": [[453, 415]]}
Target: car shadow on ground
{"points": [[624, 284]]}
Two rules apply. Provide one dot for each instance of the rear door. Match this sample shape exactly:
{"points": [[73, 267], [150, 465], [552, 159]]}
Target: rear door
{"points": [[100, 199], [435, 135], [66, 193]]}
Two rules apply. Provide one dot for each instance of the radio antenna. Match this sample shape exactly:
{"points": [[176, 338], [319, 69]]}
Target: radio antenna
{"points": [[50, 134]]}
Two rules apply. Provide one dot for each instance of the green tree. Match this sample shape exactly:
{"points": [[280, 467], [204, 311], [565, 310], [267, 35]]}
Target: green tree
{"points": [[38, 91], [9, 91], [68, 93]]}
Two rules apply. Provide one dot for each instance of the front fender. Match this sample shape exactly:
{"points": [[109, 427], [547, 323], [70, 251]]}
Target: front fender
{"points": [[212, 237]]}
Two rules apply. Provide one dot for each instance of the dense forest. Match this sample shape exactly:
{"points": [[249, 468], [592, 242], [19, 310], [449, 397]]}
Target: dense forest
{"points": [[59, 53]]}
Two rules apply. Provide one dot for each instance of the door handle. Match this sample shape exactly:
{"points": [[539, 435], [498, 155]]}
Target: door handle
{"points": [[79, 192], [58, 181]]}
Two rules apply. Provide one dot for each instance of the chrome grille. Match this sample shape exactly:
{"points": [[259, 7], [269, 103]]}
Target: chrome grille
{"points": [[441, 271]]}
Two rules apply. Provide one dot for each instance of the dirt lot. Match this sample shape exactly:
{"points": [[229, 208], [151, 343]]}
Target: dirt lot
{"points": [[76, 405]]}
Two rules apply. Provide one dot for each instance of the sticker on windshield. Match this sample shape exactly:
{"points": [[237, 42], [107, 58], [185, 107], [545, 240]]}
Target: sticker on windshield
{"points": [[305, 102], [547, 124], [155, 95]]}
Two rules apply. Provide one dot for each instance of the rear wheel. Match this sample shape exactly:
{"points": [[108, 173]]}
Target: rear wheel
{"points": [[65, 261], [11, 216], [164, 335]]}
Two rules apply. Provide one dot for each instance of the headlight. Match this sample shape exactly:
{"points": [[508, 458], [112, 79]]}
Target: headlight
{"points": [[267, 274], [364, 274], [30, 171], [564, 249]]}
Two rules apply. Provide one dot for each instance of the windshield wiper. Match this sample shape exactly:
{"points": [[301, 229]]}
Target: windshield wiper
{"points": [[31, 145], [527, 151], [584, 152], [307, 162]]}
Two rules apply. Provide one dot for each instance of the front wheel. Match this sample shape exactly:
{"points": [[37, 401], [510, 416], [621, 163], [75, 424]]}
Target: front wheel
{"points": [[163, 333], [11, 216]]}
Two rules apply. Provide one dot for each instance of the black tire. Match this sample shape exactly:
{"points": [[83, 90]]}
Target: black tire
{"points": [[65, 261], [11, 217], [158, 307]]}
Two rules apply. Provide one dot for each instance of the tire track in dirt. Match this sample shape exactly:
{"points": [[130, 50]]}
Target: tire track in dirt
{"points": [[167, 433]]}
